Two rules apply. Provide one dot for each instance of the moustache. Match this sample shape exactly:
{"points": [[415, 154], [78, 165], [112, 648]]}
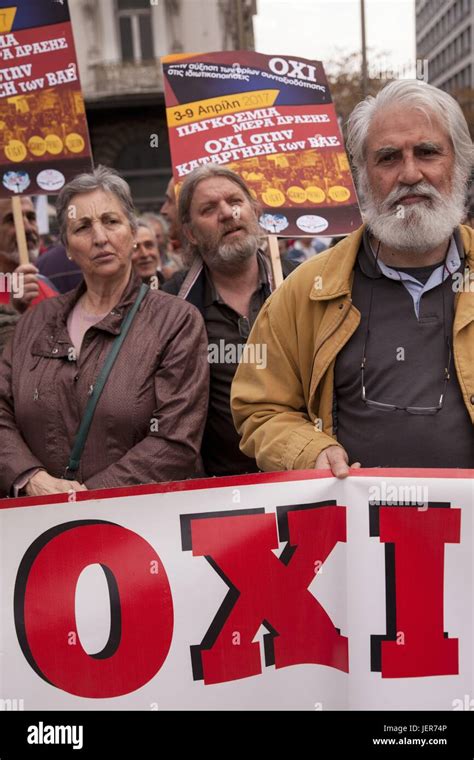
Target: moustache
{"points": [[423, 189], [232, 228]]}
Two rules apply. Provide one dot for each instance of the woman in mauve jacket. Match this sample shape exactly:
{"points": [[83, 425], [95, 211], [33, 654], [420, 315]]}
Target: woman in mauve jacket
{"points": [[148, 423]]}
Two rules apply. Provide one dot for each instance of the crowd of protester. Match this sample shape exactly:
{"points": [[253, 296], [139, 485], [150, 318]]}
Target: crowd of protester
{"points": [[120, 343]]}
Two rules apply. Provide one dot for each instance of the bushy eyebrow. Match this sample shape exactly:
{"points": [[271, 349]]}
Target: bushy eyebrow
{"points": [[88, 218], [390, 150]]}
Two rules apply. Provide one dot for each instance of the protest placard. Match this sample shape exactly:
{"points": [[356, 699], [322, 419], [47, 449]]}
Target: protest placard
{"points": [[270, 119], [44, 138]]}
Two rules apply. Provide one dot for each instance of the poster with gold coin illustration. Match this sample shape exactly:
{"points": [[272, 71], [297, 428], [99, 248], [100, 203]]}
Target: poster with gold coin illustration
{"points": [[270, 119], [44, 139]]}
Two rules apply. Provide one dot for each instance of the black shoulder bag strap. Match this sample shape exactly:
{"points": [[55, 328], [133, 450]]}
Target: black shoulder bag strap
{"points": [[82, 433]]}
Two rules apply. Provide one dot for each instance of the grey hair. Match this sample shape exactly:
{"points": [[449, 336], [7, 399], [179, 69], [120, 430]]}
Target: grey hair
{"points": [[430, 101], [149, 216], [207, 171], [101, 178], [141, 222]]}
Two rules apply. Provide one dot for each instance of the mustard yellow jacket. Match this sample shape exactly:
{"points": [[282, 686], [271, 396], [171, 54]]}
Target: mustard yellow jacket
{"points": [[283, 410]]}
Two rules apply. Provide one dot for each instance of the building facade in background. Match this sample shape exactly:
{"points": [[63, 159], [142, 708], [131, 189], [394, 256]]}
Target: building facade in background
{"points": [[119, 44], [445, 38]]}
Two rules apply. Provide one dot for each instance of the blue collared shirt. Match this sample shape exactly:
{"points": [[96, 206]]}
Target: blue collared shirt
{"points": [[417, 289]]}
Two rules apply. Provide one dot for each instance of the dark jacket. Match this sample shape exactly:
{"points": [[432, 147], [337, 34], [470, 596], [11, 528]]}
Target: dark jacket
{"points": [[149, 421], [196, 293], [223, 456]]}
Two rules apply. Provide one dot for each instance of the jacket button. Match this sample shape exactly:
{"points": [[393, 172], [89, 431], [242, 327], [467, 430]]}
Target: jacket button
{"points": [[472, 399], [76, 378], [55, 350], [341, 305]]}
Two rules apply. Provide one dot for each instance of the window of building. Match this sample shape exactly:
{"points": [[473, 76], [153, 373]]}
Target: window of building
{"points": [[135, 30], [147, 170]]}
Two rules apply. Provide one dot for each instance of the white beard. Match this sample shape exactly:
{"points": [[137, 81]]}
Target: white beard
{"points": [[419, 227]]}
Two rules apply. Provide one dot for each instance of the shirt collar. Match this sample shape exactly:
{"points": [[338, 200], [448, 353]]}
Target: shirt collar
{"points": [[112, 322], [211, 294], [366, 259]]}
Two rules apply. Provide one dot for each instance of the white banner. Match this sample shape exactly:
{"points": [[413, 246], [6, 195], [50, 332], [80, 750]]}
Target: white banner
{"points": [[274, 591]]}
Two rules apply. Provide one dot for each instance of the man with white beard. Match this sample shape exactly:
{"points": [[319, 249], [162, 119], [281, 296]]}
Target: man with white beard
{"points": [[228, 281], [370, 346], [20, 285]]}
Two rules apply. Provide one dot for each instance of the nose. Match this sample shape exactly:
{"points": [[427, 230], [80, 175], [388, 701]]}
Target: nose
{"points": [[141, 251], [410, 172], [225, 210], [30, 226], [99, 236]]}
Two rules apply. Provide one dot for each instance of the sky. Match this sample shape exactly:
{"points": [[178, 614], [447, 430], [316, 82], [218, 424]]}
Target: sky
{"points": [[323, 29]]}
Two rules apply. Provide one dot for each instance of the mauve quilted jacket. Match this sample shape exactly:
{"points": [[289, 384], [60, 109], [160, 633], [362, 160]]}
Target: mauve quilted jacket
{"points": [[149, 421]]}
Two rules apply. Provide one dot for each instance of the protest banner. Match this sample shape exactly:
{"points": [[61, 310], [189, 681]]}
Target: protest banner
{"points": [[44, 138], [271, 120], [288, 590]]}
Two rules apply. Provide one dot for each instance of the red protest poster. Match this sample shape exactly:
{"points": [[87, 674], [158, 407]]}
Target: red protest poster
{"points": [[44, 139], [270, 119]]}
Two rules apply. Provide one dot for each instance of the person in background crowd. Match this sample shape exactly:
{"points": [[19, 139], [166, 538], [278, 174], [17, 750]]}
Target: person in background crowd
{"points": [[148, 423], [62, 271], [371, 344], [146, 256], [228, 281], [169, 210], [159, 226], [29, 288], [305, 248]]}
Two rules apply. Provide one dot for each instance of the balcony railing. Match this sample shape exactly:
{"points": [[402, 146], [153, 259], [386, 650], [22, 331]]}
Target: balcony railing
{"points": [[125, 79]]}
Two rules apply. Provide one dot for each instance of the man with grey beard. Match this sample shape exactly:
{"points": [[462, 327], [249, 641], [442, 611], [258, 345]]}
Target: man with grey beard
{"points": [[370, 346], [229, 280]]}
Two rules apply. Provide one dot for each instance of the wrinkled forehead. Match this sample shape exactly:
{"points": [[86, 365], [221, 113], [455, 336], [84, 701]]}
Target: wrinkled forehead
{"points": [[143, 233], [170, 192], [215, 189], [400, 125], [94, 203]]}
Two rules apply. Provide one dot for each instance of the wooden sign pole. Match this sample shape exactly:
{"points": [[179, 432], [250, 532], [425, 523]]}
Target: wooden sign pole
{"points": [[275, 259], [20, 230]]}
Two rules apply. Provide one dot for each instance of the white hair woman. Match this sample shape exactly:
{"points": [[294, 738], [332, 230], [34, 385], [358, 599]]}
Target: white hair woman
{"points": [[106, 385]]}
